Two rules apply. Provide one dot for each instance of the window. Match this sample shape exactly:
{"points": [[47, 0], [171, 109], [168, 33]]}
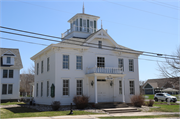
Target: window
{"points": [[37, 68], [37, 90], [76, 24], [10, 88], [91, 26], [5, 73], [120, 87], [7, 89], [65, 61], [41, 89], [8, 60], [78, 62], [99, 44], [121, 63], [47, 88], [41, 66], [8, 73], [84, 25], [87, 25], [80, 24], [66, 87], [48, 64], [94, 26], [131, 65], [131, 84], [100, 62], [4, 89], [79, 87]]}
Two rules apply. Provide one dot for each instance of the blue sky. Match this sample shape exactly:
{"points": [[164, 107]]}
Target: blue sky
{"points": [[155, 30]]}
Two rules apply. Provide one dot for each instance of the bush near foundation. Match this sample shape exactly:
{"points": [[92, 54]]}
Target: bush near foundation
{"points": [[81, 101], [137, 100], [150, 103], [55, 105]]}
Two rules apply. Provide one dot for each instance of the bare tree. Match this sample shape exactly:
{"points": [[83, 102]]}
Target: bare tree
{"points": [[27, 76], [170, 68]]}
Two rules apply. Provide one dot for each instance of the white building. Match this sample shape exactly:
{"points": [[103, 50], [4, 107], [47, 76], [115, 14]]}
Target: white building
{"points": [[87, 62], [10, 74]]}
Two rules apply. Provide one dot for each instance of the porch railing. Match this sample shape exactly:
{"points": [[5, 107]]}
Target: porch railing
{"points": [[105, 70]]}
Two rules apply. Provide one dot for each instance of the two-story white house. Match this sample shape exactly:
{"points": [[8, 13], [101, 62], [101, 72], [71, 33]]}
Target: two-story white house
{"points": [[86, 62], [10, 74]]}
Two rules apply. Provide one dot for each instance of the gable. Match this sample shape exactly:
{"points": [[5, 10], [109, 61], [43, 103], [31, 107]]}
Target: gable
{"points": [[103, 36], [8, 53], [148, 86]]}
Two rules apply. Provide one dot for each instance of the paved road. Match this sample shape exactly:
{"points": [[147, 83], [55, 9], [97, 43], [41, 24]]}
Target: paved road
{"points": [[106, 115]]}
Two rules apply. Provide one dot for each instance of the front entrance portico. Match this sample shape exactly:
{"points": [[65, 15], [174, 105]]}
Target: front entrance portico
{"points": [[104, 91]]}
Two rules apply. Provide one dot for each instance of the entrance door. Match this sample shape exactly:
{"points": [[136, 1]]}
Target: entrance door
{"points": [[102, 91]]}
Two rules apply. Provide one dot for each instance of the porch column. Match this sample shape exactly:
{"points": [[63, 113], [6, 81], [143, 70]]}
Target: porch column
{"points": [[123, 83], [95, 89]]}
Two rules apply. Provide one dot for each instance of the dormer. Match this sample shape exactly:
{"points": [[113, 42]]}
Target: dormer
{"points": [[81, 26], [8, 58]]}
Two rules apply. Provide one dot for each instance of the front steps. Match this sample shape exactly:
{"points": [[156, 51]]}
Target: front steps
{"points": [[121, 110], [115, 107]]}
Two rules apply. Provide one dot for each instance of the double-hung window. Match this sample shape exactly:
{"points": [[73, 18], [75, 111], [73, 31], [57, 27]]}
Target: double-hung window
{"points": [[99, 44], [7, 89], [131, 65], [37, 68], [41, 66], [37, 90], [65, 87], [79, 62], [131, 85], [100, 62], [48, 64], [120, 87], [41, 89], [8, 60], [121, 63], [47, 88], [65, 61], [79, 87], [84, 25], [8, 73]]}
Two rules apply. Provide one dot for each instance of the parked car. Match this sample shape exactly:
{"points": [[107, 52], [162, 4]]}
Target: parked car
{"points": [[164, 97]]}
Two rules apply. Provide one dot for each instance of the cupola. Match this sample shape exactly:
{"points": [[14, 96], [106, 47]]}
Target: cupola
{"points": [[81, 26]]}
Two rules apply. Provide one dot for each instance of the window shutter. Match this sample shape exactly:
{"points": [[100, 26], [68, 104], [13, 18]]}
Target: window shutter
{"points": [[12, 60], [52, 90], [4, 60]]}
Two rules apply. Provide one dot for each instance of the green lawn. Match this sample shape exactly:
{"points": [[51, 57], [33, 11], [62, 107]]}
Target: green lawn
{"points": [[154, 116], [165, 108], [19, 112], [12, 103], [150, 97]]}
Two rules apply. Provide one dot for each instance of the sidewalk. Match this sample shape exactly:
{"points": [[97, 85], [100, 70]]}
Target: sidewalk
{"points": [[105, 115]]}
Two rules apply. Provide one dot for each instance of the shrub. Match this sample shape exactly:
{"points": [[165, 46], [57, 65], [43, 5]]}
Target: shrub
{"points": [[137, 100], [150, 103], [81, 101], [55, 105]]}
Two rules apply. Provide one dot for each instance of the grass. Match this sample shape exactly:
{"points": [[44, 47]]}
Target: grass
{"points": [[165, 103], [150, 97], [151, 116], [19, 112], [12, 103], [165, 108]]}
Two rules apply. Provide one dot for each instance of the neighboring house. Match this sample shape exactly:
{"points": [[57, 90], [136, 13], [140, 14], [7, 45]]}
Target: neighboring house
{"points": [[153, 86], [80, 65], [10, 73]]}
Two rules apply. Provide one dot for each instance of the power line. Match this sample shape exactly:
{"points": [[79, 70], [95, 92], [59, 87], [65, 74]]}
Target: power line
{"points": [[166, 3], [70, 40], [57, 46], [113, 49], [103, 20], [161, 5], [141, 10]]}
